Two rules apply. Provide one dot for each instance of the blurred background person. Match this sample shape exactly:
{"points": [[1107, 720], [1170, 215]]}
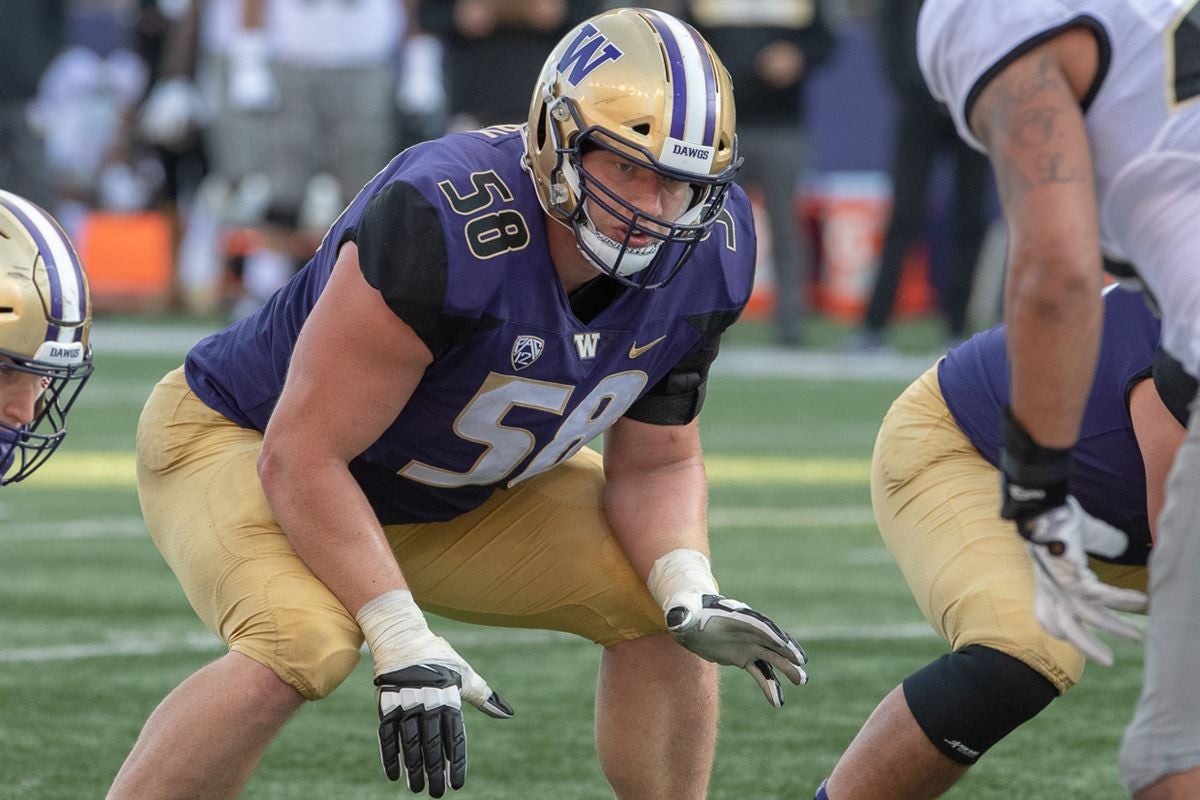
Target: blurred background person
{"points": [[164, 38], [32, 33], [86, 98], [505, 41], [923, 129], [303, 113], [770, 48]]}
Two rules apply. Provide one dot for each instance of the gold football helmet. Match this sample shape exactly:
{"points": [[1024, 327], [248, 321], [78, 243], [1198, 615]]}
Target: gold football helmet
{"points": [[646, 86], [45, 319]]}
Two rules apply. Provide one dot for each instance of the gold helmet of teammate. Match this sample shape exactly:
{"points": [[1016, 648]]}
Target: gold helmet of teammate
{"points": [[45, 320]]}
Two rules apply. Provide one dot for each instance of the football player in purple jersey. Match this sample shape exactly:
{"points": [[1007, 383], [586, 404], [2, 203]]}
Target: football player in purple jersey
{"points": [[45, 319], [402, 429], [935, 488]]}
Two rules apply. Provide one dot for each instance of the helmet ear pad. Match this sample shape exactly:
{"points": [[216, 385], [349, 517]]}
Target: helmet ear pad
{"points": [[583, 100]]}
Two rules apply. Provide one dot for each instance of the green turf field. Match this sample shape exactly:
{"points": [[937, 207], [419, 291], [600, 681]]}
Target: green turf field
{"points": [[94, 630]]}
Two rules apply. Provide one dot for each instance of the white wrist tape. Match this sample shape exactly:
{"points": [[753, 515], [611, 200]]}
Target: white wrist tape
{"points": [[680, 578], [396, 631]]}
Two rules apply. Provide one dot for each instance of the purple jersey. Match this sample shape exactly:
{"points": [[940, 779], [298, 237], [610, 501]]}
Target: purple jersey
{"points": [[1107, 475], [452, 234]]}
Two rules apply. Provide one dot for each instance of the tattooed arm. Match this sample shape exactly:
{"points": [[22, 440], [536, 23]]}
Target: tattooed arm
{"points": [[1030, 120]]}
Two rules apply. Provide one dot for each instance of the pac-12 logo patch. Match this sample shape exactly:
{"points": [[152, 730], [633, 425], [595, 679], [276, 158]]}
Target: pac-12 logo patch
{"points": [[525, 351]]}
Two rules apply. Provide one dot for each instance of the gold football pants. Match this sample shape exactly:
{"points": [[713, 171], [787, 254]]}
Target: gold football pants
{"points": [[540, 555], [937, 502]]}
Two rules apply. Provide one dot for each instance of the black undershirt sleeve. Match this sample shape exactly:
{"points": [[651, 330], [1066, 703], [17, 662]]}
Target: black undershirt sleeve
{"points": [[1176, 388], [402, 253], [679, 396]]}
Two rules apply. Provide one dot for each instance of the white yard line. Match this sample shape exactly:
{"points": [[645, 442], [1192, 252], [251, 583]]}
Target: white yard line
{"points": [[132, 645], [146, 340], [718, 517], [111, 528], [765, 362], [122, 646], [748, 362]]}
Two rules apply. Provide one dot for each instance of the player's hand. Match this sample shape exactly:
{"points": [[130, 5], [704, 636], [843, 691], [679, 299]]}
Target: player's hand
{"points": [[726, 631], [1069, 595], [421, 732], [1034, 482], [421, 683]]}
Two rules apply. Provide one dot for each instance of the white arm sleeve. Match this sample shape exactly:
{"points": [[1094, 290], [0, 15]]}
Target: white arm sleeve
{"points": [[963, 44]]}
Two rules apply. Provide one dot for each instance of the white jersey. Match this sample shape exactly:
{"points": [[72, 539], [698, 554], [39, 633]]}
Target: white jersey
{"points": [[1142, 115], [314, 33]]}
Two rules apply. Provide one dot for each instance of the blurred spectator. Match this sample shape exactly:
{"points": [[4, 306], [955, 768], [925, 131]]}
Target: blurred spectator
{"points": [[302, 98], [421, 93], [81, 108], [493, 51], [31, 34], [86, 99], [923, 129], [165, 40], [769, 49]]}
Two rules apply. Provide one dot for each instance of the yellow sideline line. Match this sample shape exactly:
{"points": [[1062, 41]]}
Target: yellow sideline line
{"points": [[116, 470], [86, 469]]}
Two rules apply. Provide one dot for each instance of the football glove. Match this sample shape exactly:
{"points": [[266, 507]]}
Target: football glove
{"points": [[1060, 533], [727, 631], [420, 685], [1069, 595], [721, 629], [421, 723]]}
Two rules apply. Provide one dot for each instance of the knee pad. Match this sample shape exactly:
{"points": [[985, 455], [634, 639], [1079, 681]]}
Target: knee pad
{"points": [[968, 700]]}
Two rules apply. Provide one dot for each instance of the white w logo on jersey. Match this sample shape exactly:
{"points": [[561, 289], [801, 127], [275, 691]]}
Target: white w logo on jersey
{"points": [[586, 343]]}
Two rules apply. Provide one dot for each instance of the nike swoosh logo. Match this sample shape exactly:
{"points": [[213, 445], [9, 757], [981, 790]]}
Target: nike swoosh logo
{"points": [[635, 351]]}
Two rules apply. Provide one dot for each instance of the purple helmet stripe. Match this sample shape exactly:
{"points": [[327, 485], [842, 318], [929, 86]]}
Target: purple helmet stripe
{"points": [[678, 80], [56, 298], [710, 90], [79, 275]]}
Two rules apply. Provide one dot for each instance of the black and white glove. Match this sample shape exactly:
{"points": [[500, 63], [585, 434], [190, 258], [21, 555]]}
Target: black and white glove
{"points": [[420, 685], [1061, 534], [727, 631], [421, 725], [721, 629]]}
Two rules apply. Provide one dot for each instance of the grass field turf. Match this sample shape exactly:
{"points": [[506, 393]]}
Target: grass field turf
{"points": [[94, 631]]}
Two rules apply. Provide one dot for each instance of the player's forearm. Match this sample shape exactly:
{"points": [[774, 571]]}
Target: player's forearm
{"points": [[1053, 313], [1030, 120], [331, 526], [655, 511]]}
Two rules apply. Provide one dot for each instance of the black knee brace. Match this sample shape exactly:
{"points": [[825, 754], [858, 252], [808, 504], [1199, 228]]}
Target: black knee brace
{"points": [[968, 700]]}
